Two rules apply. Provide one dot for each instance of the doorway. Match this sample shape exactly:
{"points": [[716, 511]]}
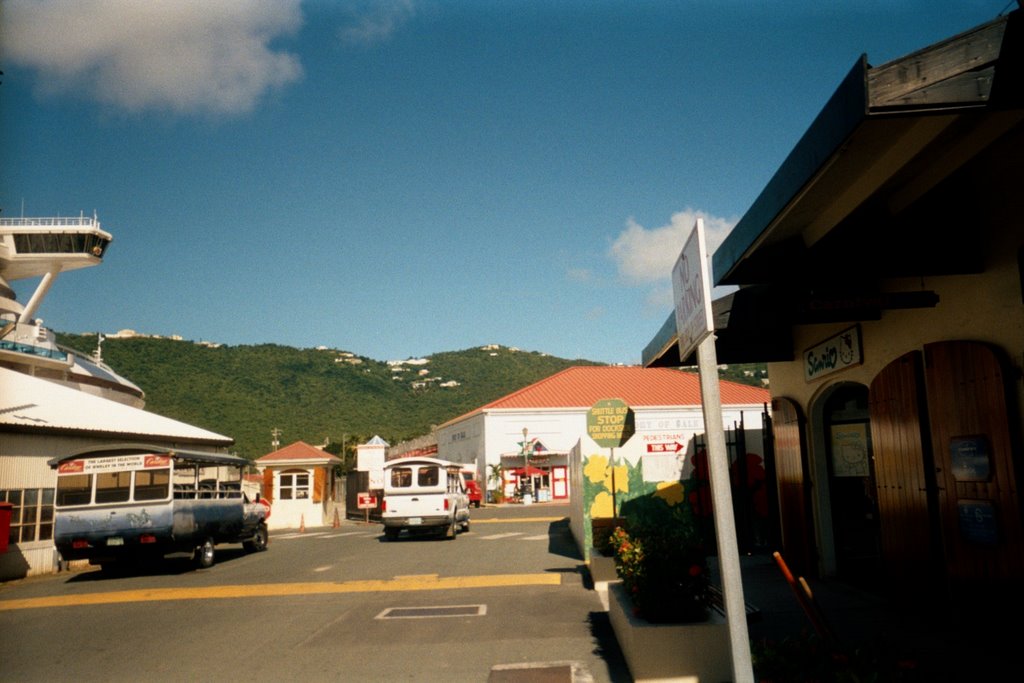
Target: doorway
{"points": [[853, 497]]}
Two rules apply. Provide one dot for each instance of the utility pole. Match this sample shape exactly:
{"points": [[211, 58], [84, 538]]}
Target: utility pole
{"points": [[275, 438]]}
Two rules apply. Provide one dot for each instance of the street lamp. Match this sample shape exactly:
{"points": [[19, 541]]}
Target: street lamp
{"points": [[526, 464]]}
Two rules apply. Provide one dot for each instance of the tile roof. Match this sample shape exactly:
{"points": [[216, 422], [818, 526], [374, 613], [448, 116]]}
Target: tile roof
{"points": [[583, 386], [298, 451]]}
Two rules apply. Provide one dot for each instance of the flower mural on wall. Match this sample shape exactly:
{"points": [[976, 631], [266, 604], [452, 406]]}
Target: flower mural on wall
{"points": [[672, 492]]}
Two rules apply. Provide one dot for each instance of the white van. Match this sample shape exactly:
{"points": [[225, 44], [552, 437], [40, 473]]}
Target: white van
{"points": [[424, 495]]}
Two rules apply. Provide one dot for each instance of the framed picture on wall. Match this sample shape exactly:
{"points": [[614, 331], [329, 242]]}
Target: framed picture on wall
{"points": [[850, 450], [977, 519], [970, 458]]}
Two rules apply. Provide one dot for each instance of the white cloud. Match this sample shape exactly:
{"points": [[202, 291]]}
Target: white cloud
{"points": [[376, 21], [644, 257], [185, 56]]}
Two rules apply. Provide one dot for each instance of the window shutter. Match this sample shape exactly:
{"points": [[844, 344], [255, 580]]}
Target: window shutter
{"points": [[268, 484], [319, 480]]}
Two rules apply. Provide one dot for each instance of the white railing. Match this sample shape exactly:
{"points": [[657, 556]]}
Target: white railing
{"points": [[54, 222]]}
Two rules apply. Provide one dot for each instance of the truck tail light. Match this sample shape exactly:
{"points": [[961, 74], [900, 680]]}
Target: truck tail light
{"points": [[147, 538], [384, 505], [446, 504], [79, 543]]}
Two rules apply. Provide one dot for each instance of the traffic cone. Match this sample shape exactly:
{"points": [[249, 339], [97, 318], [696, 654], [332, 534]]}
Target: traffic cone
{"points": [[337, 522], [302, 524]]}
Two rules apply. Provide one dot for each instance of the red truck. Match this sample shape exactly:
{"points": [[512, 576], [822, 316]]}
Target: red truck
{"points": [[473, 489]]}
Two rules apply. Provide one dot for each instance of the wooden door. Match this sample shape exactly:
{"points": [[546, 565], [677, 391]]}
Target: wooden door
{"points": [[903, 474], [794, 501], [979, 506]]}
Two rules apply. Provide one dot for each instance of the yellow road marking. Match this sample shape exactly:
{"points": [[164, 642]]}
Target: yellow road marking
{"points": [[408, 583]]}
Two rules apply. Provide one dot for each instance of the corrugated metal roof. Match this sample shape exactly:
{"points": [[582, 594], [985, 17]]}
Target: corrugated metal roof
{"points": [[583, 386], [28, 402], [298, 451]]}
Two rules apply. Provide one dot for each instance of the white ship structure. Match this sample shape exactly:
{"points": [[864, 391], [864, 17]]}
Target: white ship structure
{"points": [[56, 402], [44, 248]]}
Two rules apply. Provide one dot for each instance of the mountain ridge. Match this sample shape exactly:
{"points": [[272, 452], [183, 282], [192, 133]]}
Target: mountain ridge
{"points": [[321, 396]]}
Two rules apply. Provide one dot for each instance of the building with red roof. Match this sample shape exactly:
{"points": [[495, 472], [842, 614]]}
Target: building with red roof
{"points": [[548, 419], [299, 482]]}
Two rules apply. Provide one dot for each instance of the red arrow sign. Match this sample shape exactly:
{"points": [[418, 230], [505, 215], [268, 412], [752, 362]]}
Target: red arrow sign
{"points": [[664, 447]]}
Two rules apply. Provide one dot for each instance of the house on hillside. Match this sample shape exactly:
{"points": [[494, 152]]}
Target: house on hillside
{"points": [[531, 434], [881, 276]]}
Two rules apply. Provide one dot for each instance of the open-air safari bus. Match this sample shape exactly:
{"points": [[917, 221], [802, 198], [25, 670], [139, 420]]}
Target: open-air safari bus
{"points": [[135, 502]]}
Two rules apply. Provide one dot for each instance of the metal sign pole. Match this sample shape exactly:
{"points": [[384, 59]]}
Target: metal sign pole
{"points": [[691, 285], [725, 523]]}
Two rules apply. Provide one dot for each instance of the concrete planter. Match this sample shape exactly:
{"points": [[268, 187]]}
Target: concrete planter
{"points": [[602, 569], [691, 653]]}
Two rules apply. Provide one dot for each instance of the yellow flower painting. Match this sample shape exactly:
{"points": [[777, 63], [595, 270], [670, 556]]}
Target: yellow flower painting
{"points": [[602, 506], [672, 492], [596, 468]]}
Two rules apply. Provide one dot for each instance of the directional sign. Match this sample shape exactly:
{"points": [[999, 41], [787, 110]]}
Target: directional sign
{"points": [[674, 447], [610, 422]]}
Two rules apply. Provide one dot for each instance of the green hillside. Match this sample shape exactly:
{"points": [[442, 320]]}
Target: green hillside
{"points": [[245, 392]]}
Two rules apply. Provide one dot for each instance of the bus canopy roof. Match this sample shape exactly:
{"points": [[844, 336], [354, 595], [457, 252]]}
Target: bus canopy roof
{"points": [[204, 457]]}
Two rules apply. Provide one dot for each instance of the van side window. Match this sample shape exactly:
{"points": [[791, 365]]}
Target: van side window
{"points": [[401, 477], [427, 476]]}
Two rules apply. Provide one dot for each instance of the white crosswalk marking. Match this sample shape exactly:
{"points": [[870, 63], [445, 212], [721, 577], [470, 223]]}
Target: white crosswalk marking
{"points": [[494, 537]]}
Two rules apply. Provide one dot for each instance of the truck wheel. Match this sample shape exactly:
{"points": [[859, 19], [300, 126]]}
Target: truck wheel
{"points": [[258, 543], [204, 554]]}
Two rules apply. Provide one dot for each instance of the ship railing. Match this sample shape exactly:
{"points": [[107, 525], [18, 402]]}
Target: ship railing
{"points": [[31, 350], [54, 222]]}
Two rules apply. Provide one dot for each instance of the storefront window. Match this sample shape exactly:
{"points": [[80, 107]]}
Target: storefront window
{"points": [[31, 514]]}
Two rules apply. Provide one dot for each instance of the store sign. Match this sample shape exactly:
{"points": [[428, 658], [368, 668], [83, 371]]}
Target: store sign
{"points": [[834, 354], [117, 463]]}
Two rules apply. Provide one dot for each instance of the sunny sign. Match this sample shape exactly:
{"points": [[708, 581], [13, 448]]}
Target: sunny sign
{"points": [[610, 423]]}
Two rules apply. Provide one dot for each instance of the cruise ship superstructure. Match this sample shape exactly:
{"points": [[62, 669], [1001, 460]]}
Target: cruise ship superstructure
{"points": [[44, 248]]}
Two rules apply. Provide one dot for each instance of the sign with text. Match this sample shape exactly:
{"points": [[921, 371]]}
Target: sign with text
{"points": [[116, 463], [610, 422], [691, 287], [366, 501], [834, 354]]}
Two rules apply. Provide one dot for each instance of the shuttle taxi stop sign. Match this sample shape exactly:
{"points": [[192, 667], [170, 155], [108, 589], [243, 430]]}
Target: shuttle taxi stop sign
{"points": [[610, 423]]}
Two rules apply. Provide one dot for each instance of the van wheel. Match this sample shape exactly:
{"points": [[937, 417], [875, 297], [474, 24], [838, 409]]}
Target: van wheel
{"points": [[391, 533], [204, 555], [258, 542]]}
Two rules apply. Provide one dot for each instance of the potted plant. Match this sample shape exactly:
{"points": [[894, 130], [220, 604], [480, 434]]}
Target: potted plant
{"points": [[661, 610], [661, 560]]}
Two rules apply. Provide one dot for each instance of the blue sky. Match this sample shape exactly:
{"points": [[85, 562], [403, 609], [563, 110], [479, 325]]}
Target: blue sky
{"points": [[401, 178]]}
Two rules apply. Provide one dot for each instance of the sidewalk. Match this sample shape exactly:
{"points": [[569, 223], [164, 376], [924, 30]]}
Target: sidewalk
{"points": [[916, 643]]}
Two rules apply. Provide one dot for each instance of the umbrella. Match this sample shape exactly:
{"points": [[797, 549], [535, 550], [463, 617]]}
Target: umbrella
{"points": [[528, 471]]}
